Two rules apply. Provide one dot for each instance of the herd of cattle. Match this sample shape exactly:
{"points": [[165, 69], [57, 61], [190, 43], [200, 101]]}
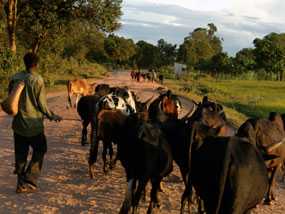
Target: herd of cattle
{"points": [[224, 169], [150, 76]]}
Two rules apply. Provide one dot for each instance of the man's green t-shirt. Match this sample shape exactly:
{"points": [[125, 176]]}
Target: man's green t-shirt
{"points": [[32, 105]]}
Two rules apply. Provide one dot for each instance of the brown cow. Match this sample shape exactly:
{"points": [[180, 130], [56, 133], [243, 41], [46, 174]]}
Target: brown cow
{"points": [[268, 136], [78, 87]]}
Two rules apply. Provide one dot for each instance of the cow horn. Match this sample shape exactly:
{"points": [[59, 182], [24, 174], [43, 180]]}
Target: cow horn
{"points": [[148, 100], [190, 113]]}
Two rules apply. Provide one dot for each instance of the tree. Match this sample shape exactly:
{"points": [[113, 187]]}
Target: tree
{"points": [[221, 63], [244, 60], [43, 20], [200, 46], [147, 56], [270, 53], [119, 49], [167, 52]]}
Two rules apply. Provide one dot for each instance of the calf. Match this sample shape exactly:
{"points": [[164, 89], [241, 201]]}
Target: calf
{"points": [[78, 87], [145, 155]]}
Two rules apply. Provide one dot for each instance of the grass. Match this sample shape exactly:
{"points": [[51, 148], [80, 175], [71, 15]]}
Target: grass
{"points": [[241, 98]]}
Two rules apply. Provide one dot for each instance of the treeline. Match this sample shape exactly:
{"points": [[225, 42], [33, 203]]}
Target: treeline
{"points": [[68, 35], [71, 33]]}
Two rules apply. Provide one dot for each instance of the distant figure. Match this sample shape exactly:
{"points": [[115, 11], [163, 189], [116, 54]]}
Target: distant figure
{"points": [[160, 77], [28, 125], [153, 76], [133, 75], [138, 76]]}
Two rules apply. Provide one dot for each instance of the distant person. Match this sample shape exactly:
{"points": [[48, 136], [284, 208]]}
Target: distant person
{"points": [[153, 76], [160, 77], [28, 125]]}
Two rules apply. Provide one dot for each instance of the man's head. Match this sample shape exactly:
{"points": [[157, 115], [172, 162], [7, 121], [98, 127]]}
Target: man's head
{"points": [[31, 60]]}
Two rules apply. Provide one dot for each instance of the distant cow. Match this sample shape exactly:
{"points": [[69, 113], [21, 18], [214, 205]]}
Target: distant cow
{"points": [[228, 173], [77, 87]]}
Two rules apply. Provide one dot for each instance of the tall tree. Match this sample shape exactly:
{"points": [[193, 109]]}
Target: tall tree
{"points": [[147, 56], [167, 52], [11, 13], [270, 53], [200, 46]]}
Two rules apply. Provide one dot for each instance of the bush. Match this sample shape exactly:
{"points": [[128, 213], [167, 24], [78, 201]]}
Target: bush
{"points": [[167, 72]]}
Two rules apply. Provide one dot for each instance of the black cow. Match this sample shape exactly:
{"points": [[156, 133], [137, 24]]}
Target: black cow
{"points": [[178, 131], [146, 156], [228, 173], [86, 108]]}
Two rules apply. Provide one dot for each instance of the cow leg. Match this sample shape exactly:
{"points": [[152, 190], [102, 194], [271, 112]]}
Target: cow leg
{"points": [[114, 161], [85, 123], [187, 194], [104, 156], [138, 193], [154, 200], [111, 153], [128, 197], [69, 102], [77, 100], [93, 151], [270, 194]]}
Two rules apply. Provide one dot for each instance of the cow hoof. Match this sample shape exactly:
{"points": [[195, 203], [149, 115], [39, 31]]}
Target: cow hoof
{"points": [[105, 170], [268, 202], [91, 172], [125, 207], [153, 208], [83, 143]]}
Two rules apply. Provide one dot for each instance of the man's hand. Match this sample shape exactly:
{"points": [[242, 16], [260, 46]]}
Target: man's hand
{"points": [[56, 118]]}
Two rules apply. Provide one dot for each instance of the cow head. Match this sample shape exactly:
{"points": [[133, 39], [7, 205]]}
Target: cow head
{"points": [[170, 104], [102, 90], [209, 113]]}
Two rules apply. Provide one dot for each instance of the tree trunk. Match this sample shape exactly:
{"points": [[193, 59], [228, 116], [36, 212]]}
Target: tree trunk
{"points": [[36, 46], [1, 9], [11, 24]]}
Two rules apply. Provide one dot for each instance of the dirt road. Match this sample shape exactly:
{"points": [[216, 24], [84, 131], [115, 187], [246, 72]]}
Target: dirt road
{"points": [[65, 186]]}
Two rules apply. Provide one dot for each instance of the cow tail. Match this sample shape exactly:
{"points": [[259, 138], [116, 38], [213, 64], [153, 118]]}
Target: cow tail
{"points": [[224, 175], [69, 93]]}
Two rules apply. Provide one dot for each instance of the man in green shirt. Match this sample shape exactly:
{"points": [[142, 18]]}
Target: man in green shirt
{"points": [[28, 125]]}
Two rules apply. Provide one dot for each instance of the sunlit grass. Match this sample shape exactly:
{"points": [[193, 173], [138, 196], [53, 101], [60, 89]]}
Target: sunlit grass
{"points": [[241, 98]]}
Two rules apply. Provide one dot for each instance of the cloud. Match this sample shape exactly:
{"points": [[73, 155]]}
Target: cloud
{"points": [[238, 28]]}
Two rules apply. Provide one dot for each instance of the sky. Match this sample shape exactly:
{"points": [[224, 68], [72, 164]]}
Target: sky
{"points": [[239, 22]]}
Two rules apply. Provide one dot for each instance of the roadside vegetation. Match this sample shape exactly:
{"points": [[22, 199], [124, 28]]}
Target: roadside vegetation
{"points": [[241, 98]]}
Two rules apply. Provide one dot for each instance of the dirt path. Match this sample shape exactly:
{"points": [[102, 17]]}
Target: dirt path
{"points": [[65, 186]]}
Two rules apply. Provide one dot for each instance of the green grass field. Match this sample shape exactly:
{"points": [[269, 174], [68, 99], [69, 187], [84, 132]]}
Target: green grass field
{"points": [[241, 98]]}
